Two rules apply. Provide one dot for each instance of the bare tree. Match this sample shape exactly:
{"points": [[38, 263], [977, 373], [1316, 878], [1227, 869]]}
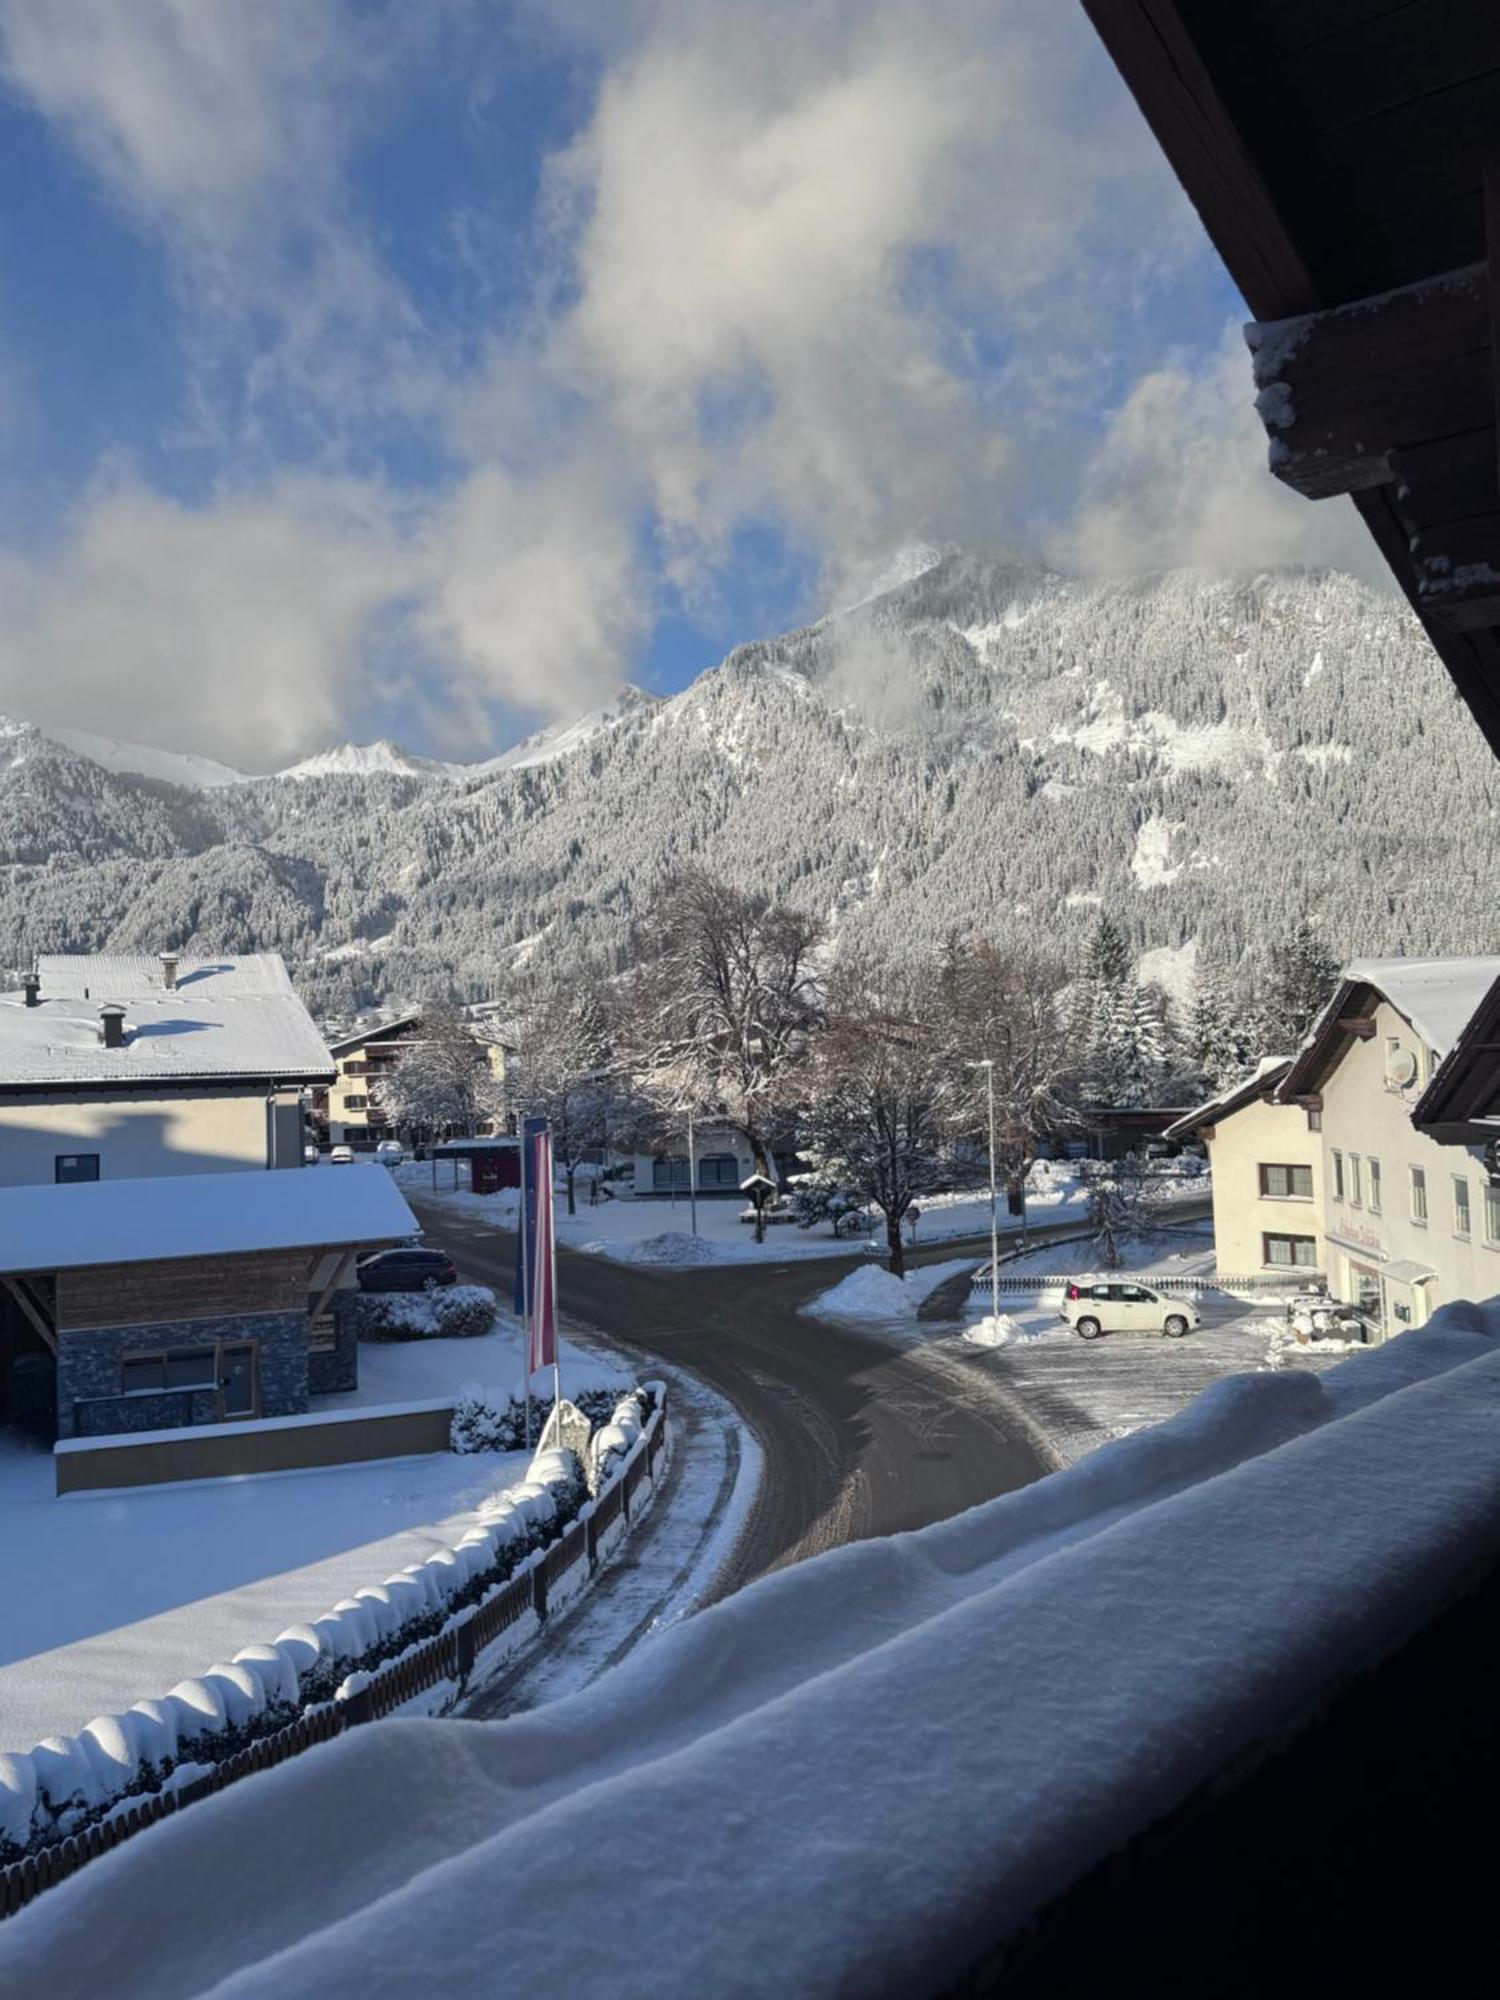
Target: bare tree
{"points": [[720, 1007], [443, 1083], [564, 1071], [1120, 1205], [1007, 1008], [881, 1093]]}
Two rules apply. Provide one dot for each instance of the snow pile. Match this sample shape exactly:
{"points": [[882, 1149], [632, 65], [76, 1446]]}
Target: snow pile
{"points": [[996, 1330], [674, 1248], [872, 1293], [738, 1747], [1286, 1349], [495, 1419]]}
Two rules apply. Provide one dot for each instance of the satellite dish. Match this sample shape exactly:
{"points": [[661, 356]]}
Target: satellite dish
{"points": [[1402, 1068]]}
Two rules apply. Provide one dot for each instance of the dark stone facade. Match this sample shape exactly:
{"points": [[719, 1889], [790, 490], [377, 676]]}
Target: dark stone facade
{"points": [[89, 1401], [336, 1368]]}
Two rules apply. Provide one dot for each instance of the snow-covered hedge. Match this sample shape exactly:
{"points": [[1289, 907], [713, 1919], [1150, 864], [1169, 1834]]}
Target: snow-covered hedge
{"points": [[66, 1783], [611, 1443], [458, 1312], [491, 1419]]}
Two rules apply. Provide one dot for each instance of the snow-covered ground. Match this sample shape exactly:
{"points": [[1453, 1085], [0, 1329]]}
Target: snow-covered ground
{"points": [[660, 1232], [1074, 1394], [943, 1729], [109, 1597]]}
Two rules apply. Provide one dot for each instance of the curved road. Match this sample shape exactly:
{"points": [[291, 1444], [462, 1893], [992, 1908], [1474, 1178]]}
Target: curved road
{"points": [[860, 1436]]}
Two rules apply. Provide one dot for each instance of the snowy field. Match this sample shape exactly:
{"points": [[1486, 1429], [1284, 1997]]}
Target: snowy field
{"points": [[1068, 1663], [110, 1597], [660, 1232]]}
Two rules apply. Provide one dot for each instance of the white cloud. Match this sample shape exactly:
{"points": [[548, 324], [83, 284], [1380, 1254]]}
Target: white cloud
{"points": [[532, 595], [1180, 480], [235, 629]]}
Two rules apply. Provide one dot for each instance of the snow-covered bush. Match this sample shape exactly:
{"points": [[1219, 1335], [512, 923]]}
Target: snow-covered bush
{"points": [[491, 1419], [461, 1312], [816, 1199]]}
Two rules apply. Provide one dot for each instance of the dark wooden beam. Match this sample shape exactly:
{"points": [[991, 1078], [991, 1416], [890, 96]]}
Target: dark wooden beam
{"points": [[1340, 391], [1448, 479], [1458, 571], [19, 1291], [1159, 57], [1312, 1101], [1361, 1026], [1492, 254]]}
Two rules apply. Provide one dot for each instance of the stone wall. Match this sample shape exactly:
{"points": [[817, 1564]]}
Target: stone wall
{"points": [[89, 1401], [333, 1369]]}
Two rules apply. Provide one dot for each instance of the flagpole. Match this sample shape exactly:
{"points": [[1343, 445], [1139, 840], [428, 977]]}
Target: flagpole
{"points": [[556, 1314], [526, 1299]]}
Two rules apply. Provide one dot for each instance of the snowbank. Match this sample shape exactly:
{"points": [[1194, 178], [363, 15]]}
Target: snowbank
{"points": [[999, 1331], [873, 1293], [751, 1749]]}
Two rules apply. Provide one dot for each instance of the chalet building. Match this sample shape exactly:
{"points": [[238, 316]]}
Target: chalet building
{"points": [[348, 1112], [1371, 1157], [153, 1303], [117, 1068], [1267, 1176], [721, 1161]]}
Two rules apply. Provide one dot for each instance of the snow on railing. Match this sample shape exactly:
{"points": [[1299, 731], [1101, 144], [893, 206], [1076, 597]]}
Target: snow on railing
{"points": [[435, 1629]]}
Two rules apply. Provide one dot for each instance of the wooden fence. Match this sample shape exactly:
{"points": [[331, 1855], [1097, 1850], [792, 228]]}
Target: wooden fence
{"points": [[449, 1656]]}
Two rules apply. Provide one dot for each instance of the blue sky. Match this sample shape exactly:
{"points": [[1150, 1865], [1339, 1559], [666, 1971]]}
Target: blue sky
{"points": [[373, 369]]}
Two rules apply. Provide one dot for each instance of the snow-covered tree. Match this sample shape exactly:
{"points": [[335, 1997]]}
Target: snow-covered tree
{"points": [[1005, 1008], [1120, 1205], [1300, 978], [1222, 1040], [443, 1083], [882, 1092]]}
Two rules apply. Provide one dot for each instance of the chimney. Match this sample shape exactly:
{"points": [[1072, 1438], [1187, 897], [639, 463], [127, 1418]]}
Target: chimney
{"points": [[168, 969], [31, 986], [112, 1014]]}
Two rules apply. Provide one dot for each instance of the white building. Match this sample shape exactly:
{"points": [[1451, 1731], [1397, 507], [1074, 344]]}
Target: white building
{"points": [[114, 1068], [722, 1161], [1379, 1144]]}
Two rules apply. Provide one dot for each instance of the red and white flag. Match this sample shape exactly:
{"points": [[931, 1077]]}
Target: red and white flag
{"points": [[544, 1277]]}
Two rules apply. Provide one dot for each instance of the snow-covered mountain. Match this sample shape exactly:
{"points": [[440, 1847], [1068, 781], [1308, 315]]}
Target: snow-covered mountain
{"points": [[169, 767], [986, 745]]}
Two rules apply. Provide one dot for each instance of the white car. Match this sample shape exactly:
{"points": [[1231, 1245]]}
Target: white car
{"points": [[390, 1152], [341, 1156], [1120, 1305]]}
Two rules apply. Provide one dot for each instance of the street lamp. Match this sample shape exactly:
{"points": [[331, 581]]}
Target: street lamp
{"points": [[988, 1066]]}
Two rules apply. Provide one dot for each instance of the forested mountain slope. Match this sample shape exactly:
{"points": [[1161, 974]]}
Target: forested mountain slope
{"points": [[984, 747]]}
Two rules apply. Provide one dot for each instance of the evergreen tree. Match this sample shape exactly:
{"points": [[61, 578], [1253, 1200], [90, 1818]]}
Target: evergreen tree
{"points": [[1300, 979], [1222, 1038]]}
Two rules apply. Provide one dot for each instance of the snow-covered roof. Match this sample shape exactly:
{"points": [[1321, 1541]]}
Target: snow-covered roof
{"points": [[139, 976], [1437, 995], [48, 1228], [224, 1018], [358, 1038], [1269, 1070]]}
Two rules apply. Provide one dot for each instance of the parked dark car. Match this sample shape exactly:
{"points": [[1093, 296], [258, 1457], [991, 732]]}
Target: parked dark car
{"points": [[406, 1271]]}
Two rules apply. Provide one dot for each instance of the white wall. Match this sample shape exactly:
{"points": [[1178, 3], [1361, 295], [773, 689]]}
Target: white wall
{"points": [[135, 1136], [708, 1140], [1363, 1116], [1257, 1135]]}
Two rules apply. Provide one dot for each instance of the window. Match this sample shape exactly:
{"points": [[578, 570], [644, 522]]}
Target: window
{"points": [[1314, 1121], [1374, 1166], [355, 1068], [1419, 1196], [1286, 1183], [69, 1167], [178, 1368], [667, 1174], [1463, 1222], [1338, 1176], [718, 1170], [1492, 1216], [1356, 1187], [356, 1103], [1290, 1253]]}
